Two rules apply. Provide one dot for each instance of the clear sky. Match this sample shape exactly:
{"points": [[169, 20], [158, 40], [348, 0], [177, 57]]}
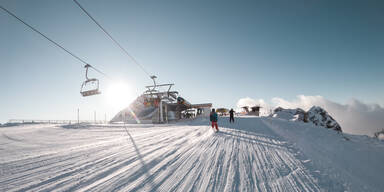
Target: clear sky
{"points": [[214, 51]]}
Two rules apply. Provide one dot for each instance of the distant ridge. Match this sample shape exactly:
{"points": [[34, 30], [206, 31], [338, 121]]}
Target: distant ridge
{"points": [[316, 115]]}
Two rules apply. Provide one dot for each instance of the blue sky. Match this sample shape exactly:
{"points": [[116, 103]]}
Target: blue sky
{"points": [[214, 51]]}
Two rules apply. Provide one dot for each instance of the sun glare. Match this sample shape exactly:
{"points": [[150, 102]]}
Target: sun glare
{"points": [[119, 95]]}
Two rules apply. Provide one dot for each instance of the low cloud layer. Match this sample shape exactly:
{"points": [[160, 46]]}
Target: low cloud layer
{"points": [[247, 101], [354, 117]]}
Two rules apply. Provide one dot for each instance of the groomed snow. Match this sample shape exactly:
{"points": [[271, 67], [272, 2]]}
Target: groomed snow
{"points": [[254, 154]]}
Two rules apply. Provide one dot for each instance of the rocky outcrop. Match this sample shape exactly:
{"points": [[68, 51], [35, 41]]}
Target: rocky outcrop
{"points": [[290, 114], [320, 117], [316, 115], [379, 134]]}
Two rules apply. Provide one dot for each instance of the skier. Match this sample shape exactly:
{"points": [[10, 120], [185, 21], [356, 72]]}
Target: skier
{"points": [[213, 119], [231, 116]]}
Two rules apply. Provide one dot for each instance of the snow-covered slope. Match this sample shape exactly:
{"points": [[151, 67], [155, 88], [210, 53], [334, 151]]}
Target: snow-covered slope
{"points": [[354, 162], [254, 154]]}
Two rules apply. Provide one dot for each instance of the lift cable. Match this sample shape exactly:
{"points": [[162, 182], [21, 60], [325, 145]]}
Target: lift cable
{"points": [[115, 41], [52, 41]]}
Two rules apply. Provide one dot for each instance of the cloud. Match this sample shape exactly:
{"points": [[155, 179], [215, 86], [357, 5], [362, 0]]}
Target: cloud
{"points": [[302, 101], [247, 101], [355, 117]]}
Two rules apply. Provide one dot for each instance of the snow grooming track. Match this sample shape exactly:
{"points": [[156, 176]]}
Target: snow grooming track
{"points": [[182, 157]]}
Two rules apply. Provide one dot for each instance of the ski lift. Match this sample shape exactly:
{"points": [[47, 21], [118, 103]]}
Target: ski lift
{"points": [[90, 86], [153, 77]]}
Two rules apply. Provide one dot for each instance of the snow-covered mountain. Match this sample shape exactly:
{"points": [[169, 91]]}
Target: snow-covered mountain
{"points": [[316, 115], [290, 114], [320, 117]]}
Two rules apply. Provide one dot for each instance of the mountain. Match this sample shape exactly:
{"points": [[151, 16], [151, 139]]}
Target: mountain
{"points": [[290, 114], [320, 117], [316, 115]]}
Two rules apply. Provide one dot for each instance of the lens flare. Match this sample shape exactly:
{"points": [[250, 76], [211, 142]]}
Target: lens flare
{"points": [[119, 95]]}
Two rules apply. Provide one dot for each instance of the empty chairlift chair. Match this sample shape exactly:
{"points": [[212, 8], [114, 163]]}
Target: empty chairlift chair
{"points": [[90, 86]]}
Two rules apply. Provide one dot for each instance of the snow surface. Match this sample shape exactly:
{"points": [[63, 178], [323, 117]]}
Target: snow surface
{"points": [[254, 154]]}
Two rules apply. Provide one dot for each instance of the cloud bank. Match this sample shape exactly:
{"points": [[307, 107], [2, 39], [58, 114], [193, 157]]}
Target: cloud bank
{"points": [[247, 101], [355, 117]]}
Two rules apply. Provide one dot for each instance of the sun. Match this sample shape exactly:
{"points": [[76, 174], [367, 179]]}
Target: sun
{"points": [[119, 95]]}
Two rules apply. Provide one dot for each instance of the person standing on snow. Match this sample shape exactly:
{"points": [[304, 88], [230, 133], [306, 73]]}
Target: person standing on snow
{"points": [[213, 119], [231, 116]]}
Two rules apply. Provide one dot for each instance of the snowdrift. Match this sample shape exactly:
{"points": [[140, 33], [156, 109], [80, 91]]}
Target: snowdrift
{"points": [[353, 161]]}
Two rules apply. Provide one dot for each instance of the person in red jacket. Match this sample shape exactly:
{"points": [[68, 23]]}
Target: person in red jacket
{"points": [[213, 119]]}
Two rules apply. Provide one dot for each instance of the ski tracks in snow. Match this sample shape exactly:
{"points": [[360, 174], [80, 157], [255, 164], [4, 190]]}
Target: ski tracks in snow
{"points": [[157, 158]]}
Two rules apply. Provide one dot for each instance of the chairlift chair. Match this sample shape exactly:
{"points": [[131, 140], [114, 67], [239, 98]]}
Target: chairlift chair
{"points": [[89, 92], [90, 86]]}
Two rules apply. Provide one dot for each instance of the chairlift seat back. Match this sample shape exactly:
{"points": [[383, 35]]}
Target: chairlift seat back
{"points": [[90, 87]]}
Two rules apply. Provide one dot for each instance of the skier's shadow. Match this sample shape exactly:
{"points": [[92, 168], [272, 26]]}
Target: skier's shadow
{"points": [[144, 166]]}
